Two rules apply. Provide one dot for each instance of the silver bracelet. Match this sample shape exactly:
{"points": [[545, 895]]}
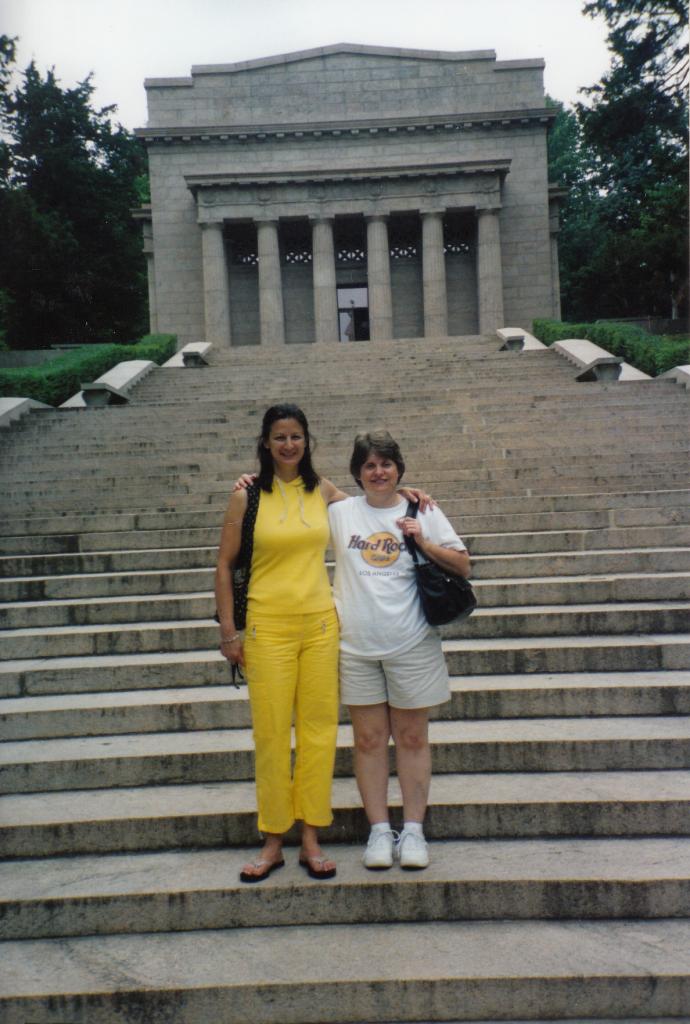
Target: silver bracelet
{"points": [[229, 639]]}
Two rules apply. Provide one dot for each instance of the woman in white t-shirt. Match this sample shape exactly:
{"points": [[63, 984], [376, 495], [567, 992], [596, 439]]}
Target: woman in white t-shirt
{"points": [[392, 668]]}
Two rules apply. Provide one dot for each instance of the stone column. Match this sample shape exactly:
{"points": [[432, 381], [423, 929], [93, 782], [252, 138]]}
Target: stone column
{"points": [[153, 305], [271, 315], [147, 231], [489, 272], [555, 269], [323, 271], [434, 276], [216, 297], [379, 279]]}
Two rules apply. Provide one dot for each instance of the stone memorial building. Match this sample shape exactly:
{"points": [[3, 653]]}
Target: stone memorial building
{"points": [[349, 192]]}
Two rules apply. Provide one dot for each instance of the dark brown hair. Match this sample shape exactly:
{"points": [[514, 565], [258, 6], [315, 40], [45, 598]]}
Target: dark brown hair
{"points": [[381, 444], [286, 411]]}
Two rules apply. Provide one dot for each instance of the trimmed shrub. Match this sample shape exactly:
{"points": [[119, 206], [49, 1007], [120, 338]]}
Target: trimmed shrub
{"points": [[56, 381], [651, 353]]}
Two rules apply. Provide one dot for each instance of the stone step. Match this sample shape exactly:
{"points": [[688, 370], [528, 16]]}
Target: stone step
{"points": [[478, 532], [207, 433], [441, 485], [170, 670], [177, 553], [141, 607], [131, 491], [217, 755], [546, 499], [527, 879], [486, 623], [224, 707], [474, 442], [615, 968], [579, 804], [217, 458], [524, 513]]}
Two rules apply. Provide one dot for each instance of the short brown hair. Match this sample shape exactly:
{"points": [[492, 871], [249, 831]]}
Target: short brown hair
{"points": [[381, 444]]}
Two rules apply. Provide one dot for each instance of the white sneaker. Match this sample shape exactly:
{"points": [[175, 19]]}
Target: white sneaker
{"points": [[379, 851], [412, 851]]}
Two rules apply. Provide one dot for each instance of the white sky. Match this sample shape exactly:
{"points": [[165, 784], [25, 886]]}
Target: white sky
{"points": [[125, 41]]}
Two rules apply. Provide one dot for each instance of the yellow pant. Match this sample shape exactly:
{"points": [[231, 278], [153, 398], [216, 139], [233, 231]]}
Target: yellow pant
{"points": [[292, 666]]}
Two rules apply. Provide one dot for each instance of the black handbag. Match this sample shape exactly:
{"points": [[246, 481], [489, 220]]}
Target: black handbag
{"points": [[445, 597], [243, 563]]}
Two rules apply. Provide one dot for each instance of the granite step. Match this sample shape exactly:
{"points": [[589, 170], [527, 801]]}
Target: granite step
{"points": [[218, 755], [184, 890], [577, 804], [612, 968], [612, 509], [478, 533], [144, 637], [103, 608], [169, 670], [166, 505], [224, 707]]}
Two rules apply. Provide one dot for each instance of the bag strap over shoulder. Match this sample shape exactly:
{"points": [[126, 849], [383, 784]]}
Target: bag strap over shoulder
{"points": [[244, 556], [410, 544]]}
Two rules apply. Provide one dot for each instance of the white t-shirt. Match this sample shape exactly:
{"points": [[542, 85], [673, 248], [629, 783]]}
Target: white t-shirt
{"points": [[374, 589]]}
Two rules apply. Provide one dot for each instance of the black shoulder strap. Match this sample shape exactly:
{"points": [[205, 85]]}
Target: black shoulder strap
{"points": [[244, 556], [412, 508]]}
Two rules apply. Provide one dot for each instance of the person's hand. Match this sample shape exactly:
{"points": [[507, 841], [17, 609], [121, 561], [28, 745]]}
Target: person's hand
{"points": [[418, 496], [411, 528], [244, 481], [233, 649]]}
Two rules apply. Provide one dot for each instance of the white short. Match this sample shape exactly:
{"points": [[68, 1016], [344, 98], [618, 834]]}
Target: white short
{"points": [[415, 679]]}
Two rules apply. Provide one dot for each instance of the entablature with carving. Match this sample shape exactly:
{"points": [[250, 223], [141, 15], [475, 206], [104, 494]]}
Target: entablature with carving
{"points": [[340, 192]]}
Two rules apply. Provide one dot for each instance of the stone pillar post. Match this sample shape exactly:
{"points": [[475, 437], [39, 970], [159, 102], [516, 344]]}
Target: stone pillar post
{"points": [[489, 271], [216, 297], [151, 275], [323, 271], [434, 276], [271, 315], [153, 304], [555, 269], [379, 279]]}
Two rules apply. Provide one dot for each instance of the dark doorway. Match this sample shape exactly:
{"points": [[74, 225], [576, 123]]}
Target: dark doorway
{"points": [[353, 313]]}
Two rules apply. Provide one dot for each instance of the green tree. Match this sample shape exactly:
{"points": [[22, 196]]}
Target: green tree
{"points": [[71, 262], [582, 234], [635, 130]]}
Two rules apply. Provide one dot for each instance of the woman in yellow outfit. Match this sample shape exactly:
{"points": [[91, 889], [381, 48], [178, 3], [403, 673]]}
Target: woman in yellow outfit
{"points": [[290, 648]]}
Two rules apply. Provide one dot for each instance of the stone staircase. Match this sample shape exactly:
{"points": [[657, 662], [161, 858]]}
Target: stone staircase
{"points": [[560, 808]]}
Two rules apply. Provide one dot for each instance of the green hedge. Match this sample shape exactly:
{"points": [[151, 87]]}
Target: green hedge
{"points": [[56, 381], [651, 353]]}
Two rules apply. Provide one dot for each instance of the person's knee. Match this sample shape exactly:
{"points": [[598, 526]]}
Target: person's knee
{"points": [[412, 737], [370, 739]]}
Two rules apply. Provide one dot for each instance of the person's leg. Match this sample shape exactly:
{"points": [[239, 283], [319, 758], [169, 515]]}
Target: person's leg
{"points": [[371, 731], [316, 725], [271, 669], [410, 729]]}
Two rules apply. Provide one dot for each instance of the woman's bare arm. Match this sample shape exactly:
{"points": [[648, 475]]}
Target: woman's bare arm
{"points": [[330, 492]]}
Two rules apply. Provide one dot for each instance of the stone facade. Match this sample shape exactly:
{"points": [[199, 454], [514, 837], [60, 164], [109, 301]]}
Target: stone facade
{"points": [[349, 192]]}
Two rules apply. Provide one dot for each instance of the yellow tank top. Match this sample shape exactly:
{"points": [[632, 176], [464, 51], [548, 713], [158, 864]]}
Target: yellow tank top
{"points": [[290, 538]]}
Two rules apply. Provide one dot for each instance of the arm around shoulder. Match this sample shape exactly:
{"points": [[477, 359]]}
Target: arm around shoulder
{"points": [[330, 493]]}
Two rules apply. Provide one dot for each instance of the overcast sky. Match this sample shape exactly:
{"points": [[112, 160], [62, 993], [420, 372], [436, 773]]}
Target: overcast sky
{"points": [[125, 41]]}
